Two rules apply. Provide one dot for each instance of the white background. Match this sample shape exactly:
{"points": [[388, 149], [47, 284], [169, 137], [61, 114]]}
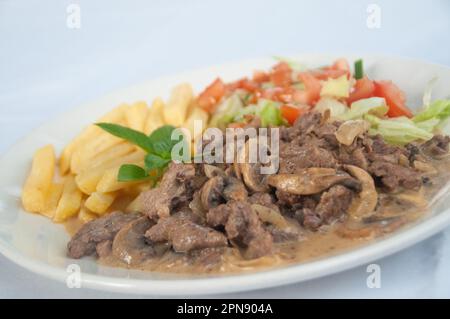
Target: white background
{"points": [[47, 68]]}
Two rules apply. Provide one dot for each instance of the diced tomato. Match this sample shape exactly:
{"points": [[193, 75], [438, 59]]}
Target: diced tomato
{"points": [[261, 76], [395, 98], [211, 95], [245, 84], [291, 112], [281, 75], [272, 93], [363, 89], [324, 74], [312, 89], [339, 68]]}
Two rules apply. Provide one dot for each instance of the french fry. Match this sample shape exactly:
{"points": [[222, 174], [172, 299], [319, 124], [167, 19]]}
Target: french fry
{"points": [[109, 182], [114, 116], [87, 180], [85, 215], [135, 205], [84, 153], [197, 114], [99, 202], [178, 104], [51, 202], [136, 115], [38, 183], [70, 200], [116, 151], [155, 117]]}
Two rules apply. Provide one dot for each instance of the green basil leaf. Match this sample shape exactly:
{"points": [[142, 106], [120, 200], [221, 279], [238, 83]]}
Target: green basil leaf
{"points": [[133, 136], [155, 165], [131, 172], [155, 162], [162, 142]]}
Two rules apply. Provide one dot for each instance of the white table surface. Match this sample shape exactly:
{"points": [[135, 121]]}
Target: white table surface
{"points": [[47, 68]]}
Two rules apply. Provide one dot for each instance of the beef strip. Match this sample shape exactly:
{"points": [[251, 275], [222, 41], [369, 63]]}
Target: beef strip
{"points": [[174, 191], [104, 248], [264, 199], [243, 226], [437, 146], [184, 234], [97, 231], [356, 157], [334, 203], [294, 157], [304, 125], [393, 176]]}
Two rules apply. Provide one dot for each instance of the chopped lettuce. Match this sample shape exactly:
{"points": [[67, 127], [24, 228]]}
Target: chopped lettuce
{"points": [[439, 109], [226, 111], [399, 130], [270, 114], [339, 87], [373, 105], [427, 93], [268, 111], [336, 108]]}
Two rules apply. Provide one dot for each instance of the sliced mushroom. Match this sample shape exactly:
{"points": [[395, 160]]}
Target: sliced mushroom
{"points": [[252, 179], [196, 205], [212, 171], [269, 215], [237, 169], [130, 245], [363, 205], [250, 172], [349, 130], [312, 181], [211, 192], [234, 189]]}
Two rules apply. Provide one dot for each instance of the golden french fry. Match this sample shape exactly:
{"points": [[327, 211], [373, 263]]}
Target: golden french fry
{"points": [[87, 180], [135, 205], [38, 183], [109, 182], [114, 152], [70, 200], [114, 116], [136, 115], [51, 202], [197, 114], [99, 202], [155, 117], [84, 153], [178, 104], [85, 215]]}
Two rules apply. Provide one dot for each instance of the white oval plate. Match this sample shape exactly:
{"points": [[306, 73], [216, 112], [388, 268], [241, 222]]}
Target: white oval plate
{"points": [[37, 244]]}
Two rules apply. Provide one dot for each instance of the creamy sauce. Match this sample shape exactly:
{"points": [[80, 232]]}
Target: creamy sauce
{"points": [[396, 211]]}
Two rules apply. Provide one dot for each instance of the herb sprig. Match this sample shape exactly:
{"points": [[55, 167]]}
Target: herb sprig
{"points": [[158, 146]]}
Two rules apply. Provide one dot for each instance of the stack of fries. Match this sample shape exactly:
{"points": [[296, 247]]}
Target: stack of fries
{"points": [[86, 185]]}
